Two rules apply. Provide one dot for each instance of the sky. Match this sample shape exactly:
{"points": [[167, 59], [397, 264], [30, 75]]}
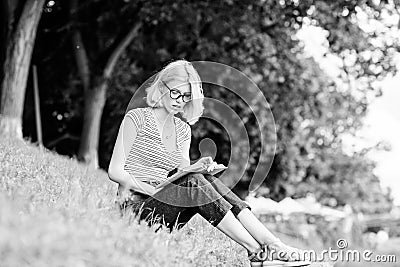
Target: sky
{"points": [[382, 122]]}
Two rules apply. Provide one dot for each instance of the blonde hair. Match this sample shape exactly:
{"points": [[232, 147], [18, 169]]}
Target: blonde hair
{"points": [[183, 71]]}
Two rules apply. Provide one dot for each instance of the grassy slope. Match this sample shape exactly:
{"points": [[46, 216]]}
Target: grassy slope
{"points": [[54, 212]]}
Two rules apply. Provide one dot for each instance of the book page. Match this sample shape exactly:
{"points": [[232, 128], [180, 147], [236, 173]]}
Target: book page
{"points": [[179, 174]]}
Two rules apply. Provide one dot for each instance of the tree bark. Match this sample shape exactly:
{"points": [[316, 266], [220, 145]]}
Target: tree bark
{"points": [[94, 103], [82, 61], [95, 99], [16, 68]]}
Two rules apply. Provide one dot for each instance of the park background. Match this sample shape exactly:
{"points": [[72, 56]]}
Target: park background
{"points": [[324, 67]]}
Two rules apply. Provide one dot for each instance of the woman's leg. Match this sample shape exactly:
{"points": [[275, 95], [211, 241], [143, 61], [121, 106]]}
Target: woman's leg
{"points": [[256, 228], [243, 213], [176, 204], [230, 226], [251, 223], [237, 204]]}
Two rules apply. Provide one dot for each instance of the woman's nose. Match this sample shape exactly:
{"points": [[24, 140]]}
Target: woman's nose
{"points": [[179, 99]]}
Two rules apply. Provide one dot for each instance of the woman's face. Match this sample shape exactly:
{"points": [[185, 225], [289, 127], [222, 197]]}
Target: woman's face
{"points": [[176, 95]]}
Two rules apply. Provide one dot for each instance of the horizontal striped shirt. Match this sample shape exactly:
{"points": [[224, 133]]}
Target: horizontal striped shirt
{"points": [[148, 160]]}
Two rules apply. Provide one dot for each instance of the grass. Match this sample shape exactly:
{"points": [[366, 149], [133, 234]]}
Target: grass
{"points": [[56, 212]]}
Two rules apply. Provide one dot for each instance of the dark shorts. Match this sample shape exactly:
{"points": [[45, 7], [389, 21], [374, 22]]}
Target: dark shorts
{"points": [[177, 203]]}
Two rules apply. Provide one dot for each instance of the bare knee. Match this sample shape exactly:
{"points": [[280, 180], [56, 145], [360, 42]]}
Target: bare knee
{"points": [[209, 177]]}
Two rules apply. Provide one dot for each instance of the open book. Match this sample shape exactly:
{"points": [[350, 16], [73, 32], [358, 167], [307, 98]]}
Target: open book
{"points": [[218, 168]]}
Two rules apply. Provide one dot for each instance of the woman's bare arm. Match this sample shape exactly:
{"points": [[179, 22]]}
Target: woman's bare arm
{"points": [[126, 136], [185, 155]]}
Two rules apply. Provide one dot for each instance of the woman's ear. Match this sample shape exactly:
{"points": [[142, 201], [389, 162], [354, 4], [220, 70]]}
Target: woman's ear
{"points": [[160, 95], [160, 87]]}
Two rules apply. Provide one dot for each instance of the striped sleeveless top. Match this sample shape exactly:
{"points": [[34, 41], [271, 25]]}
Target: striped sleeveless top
{"points": [[148, 160]]}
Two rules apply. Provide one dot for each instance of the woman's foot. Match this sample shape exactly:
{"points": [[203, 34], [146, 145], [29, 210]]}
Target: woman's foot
{"points": [[277, 254], [280, 251], [258, 259]]}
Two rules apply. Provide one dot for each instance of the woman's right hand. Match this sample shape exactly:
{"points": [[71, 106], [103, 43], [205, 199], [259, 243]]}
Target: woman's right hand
{"points": [[124, 193], [203, 164]]}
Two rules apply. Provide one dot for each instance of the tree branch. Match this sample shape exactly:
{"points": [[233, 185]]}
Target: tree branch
{"points": [[112, 60], [79, 49], [54, 142]]}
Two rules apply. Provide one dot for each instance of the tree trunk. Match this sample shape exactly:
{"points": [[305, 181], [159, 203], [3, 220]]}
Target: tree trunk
{"points": [[94, 104], [16, 68], [82, 61]]}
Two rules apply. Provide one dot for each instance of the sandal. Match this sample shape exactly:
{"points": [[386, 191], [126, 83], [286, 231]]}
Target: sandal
{"points": [[276, 254], [259, 259]]}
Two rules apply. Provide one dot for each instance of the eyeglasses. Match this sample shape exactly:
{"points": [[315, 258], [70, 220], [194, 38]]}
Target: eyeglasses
{"points": [[175, 94]]}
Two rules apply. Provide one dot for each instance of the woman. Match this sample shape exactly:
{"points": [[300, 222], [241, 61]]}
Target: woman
{"points": [[152, 142]]}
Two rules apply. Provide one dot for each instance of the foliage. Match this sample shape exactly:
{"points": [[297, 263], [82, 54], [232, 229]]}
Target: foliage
{"points": [[312, 110]]}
